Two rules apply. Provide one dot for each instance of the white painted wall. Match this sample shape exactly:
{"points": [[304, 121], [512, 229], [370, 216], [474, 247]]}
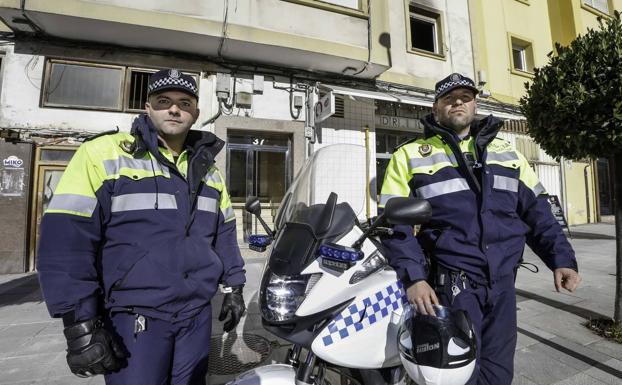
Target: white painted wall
{"points": [[457, 40], [21, 90], [19, 102]]}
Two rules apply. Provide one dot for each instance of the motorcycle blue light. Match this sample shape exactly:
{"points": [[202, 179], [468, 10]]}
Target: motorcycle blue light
{"points": [[332, 250], [259, 240]]}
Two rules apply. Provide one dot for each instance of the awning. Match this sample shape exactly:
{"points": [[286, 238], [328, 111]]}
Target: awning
{"points": [[380, 95], [483, 108]]}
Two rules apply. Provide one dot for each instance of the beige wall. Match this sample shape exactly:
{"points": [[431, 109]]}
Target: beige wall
{"points": [[576, 192], [493, 21]]}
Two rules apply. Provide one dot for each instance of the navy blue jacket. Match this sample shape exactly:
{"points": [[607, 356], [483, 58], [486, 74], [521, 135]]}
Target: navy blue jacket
{"points": [[486, 204], [130, 227]]}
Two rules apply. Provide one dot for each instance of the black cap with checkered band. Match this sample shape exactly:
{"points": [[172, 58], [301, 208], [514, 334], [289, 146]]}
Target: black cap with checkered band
{"points": [[452, 82], [172, 79]]}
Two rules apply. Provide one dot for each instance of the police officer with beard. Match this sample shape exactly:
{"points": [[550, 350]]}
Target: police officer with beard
{"points": [[487, 203]]}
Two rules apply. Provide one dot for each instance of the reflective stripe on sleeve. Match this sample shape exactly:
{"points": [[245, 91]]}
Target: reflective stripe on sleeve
{"points": [[213, 177], [142, 201], [502, 156], [538, 189], [228, 213], [207, 204], [79, 204], [505, 183], [113, 166], [442, 188], [431, 160]]}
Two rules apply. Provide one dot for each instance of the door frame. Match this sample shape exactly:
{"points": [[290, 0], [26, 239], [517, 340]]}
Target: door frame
{"points": [[40, 167]]}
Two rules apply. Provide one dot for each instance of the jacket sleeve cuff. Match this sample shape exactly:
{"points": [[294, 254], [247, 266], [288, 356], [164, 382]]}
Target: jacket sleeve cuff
{"points": [[559, 262], [237, 279], [86, 309], [411, 273]]}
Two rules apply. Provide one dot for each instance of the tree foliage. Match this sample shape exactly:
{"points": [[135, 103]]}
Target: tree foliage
{"points": [[574, 105]]}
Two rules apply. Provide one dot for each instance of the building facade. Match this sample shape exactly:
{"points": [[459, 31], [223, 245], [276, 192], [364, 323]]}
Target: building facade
{"points": [[72, 69]]}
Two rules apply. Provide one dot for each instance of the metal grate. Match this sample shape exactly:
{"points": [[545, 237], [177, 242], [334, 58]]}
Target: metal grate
{"points": [[138, 90], [230, 354], [339, 107]]}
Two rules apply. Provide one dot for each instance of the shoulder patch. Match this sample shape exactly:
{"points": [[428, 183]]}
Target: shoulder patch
{"points": [[405, 143], [500, 145]]}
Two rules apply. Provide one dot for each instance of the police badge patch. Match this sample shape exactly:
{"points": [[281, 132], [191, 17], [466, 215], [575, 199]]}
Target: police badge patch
{"points": [[425, 149], [173, 73], [455, 78]]}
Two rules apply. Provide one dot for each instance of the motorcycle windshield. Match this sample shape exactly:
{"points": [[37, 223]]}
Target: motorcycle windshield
{"points": [[323, 203]]}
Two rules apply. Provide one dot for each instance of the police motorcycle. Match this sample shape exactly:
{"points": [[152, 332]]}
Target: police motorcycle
{"points": [[326, 286]]}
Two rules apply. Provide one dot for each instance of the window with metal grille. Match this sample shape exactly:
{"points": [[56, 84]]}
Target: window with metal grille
{"points": [[137, 89], [81, 85]]}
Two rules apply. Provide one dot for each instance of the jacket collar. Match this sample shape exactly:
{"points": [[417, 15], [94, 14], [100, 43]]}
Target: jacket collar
{"points": [[484, 129], [146, 137]]}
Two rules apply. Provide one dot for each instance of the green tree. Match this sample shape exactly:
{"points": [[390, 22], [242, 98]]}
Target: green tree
{"points": [[574, 109]]}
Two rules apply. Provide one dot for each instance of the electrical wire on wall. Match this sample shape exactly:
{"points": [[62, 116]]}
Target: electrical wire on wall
{"points": [[223, 36]]}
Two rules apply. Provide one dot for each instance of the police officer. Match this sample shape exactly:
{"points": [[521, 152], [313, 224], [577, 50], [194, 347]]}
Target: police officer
{"points": [[137, 238], [486, 204]]}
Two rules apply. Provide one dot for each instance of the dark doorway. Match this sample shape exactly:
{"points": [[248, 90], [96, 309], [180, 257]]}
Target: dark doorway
{"points": [[605, 187], [258, 164]]}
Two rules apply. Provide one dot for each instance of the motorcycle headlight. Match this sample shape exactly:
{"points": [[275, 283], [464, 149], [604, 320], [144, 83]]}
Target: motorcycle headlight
{"points": [[371, 265], [282, 295]]}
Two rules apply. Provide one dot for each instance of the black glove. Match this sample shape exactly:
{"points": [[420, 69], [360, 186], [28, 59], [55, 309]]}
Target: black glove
{"points": [[92, 350], [233, 303]]}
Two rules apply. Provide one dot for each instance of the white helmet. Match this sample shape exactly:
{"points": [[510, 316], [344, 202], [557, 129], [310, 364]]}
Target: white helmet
{"points": [[437, 350]]}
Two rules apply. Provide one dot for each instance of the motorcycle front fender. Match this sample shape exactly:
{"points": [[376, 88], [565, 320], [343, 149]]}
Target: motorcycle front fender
{"points": [[275, 374]]}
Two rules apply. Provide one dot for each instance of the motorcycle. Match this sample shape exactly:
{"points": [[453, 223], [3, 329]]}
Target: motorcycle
{"points": [[326, 286]]}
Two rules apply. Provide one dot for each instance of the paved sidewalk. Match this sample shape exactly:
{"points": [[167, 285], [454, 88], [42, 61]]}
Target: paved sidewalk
{"points": [[553, 345]]}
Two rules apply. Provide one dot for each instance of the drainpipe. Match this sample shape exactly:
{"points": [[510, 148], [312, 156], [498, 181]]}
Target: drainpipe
{"points": [[587, 192]]}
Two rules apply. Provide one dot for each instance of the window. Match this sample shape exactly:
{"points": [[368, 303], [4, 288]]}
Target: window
{"points": [[601, 5], [425, 32], [354, 4], [519, 57], [96, 86], [522, 55], [84, 86], [357, 8], [137, 89]]}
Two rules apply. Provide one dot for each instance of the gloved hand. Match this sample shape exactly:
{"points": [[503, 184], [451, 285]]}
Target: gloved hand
{"points": [[232, 303], [92, 350]]}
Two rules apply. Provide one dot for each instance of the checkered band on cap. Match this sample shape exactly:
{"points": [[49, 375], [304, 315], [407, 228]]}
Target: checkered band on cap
{"points": [[172, 79], [452, 82]]}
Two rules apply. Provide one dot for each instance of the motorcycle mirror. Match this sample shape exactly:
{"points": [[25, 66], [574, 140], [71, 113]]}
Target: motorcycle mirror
{"points": [[399, 211], [253, 206], [407, 211]]}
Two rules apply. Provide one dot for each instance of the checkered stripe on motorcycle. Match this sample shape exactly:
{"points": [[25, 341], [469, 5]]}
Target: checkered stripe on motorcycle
{"points": [[369, 311]]}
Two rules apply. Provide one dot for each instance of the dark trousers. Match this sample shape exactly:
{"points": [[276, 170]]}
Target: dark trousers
{"points": [[493, 313], [165, 353]]}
